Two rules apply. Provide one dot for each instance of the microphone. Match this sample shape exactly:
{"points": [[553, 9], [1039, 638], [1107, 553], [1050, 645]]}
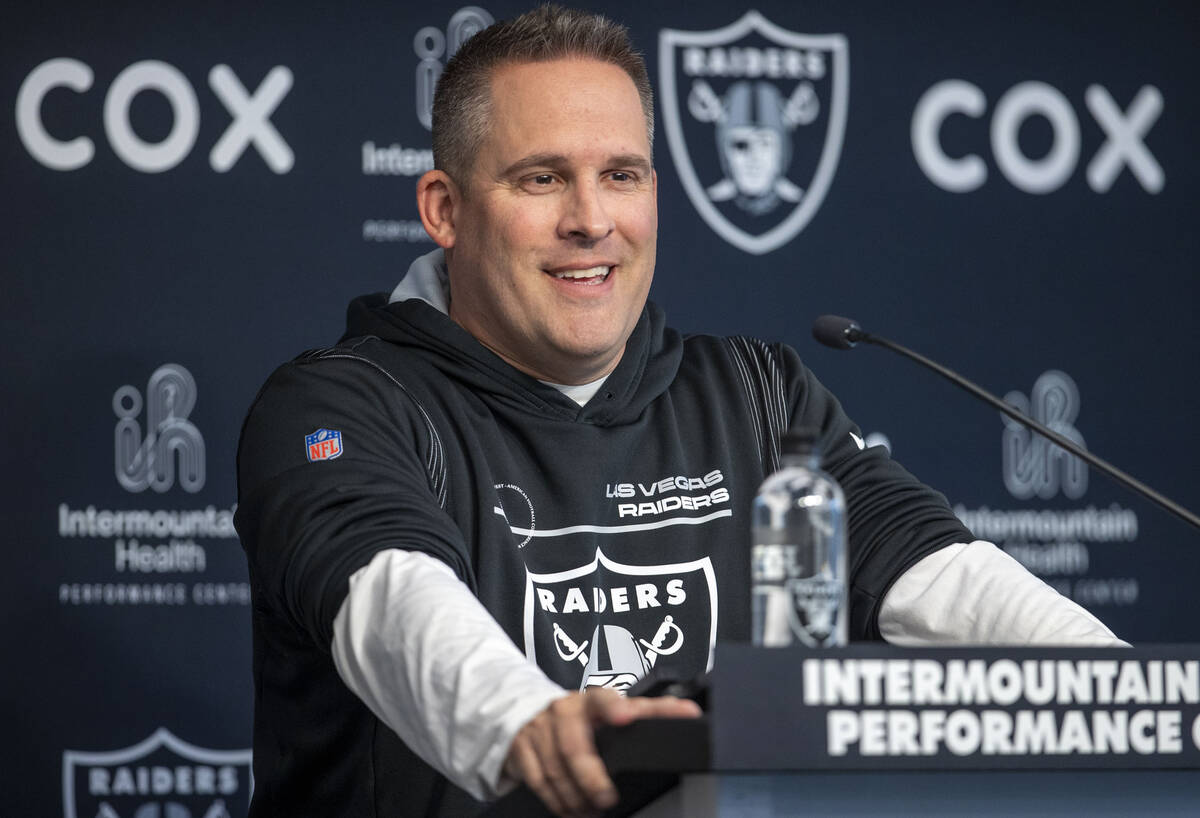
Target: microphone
{"points": [[837, 332], [844, 333]]}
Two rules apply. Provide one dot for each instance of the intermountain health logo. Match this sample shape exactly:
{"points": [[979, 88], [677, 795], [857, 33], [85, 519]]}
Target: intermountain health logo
{"points": [[160, 777], [435, 48], [1052, 536], [169, 444], [755, 116], [1033, 466], [154, 549]]}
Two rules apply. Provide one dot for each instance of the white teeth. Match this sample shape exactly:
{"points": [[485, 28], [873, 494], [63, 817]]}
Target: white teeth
{"points": [[591, 272]]}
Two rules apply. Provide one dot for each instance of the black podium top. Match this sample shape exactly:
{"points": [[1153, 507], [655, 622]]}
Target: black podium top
{"points": [[927, 711]]}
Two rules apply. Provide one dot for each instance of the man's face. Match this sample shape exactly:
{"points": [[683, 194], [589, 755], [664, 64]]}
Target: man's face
{"points": [[754, 156], [554, 235]]}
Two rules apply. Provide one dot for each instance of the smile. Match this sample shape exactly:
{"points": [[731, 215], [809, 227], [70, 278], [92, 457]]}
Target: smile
{"points": [[592, 275]]}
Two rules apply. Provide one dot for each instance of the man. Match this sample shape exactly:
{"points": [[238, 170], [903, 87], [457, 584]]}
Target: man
{"points": [[511, 479]]}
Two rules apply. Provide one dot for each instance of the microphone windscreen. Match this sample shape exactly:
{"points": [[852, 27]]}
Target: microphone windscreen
{"points": [[831, 330]]}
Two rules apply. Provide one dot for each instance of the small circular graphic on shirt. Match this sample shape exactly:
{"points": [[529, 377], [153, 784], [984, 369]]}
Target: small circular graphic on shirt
{"points": [[514, 505]]}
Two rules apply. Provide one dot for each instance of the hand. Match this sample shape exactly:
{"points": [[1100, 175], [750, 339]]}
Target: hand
{"points": [[555, 756]]}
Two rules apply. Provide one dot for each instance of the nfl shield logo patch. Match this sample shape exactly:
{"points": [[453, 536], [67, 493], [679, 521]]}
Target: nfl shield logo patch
{"points": [[754, 116], [323, 444]]}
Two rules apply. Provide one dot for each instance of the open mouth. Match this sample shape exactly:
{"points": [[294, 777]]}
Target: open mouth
{"points": [[592, 275]]}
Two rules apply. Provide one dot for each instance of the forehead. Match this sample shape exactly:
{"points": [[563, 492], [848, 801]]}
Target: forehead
{"points": [[536, 103]]}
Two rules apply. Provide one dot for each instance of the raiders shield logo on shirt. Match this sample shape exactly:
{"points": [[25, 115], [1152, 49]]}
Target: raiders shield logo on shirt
{"points": [[605, 624]]}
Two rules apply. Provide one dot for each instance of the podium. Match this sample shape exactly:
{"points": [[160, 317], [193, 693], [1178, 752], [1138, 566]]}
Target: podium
{"points": [[880, 730]]}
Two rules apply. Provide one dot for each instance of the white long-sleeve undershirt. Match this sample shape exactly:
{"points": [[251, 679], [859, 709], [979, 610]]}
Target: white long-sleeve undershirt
{"points": [[975, 594], [426, 657]]}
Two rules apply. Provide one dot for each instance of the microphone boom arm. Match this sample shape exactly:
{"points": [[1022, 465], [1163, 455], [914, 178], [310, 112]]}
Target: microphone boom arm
{"points": [[856, 334]]}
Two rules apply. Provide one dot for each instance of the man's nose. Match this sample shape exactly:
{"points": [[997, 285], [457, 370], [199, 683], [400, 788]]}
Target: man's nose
{"points": [[585, 216]]}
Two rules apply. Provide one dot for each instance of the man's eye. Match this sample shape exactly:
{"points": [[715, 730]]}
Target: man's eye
{"points": [[540, 183], [621, 176]]}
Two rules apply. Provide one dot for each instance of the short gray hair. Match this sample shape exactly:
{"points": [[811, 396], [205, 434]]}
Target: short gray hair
{"points": [[462, 104]]}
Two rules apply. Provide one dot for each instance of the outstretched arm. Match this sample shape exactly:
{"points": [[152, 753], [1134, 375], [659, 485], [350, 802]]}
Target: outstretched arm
{"points": [[427, 658]]}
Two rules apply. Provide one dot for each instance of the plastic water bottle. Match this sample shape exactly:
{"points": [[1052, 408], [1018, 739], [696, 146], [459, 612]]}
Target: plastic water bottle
{"points": [[798, 562]]}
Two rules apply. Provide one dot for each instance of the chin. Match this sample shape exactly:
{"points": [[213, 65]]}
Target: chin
{"points": [[594, 347]]}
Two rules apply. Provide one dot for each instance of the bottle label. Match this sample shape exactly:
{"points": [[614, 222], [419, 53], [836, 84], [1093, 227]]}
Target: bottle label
{"points": [[794, 600], [776, 563], [816, 603]]}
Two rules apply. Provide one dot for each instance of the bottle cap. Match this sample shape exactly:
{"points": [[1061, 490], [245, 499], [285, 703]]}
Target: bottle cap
{"points": [[801, 441]]}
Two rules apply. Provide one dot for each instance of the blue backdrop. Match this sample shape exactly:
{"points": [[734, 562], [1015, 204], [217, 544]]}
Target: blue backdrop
{"points": [[192, 196]]}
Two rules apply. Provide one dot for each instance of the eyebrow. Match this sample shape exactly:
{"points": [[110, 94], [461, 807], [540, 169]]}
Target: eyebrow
{"points": [[558, 160]]}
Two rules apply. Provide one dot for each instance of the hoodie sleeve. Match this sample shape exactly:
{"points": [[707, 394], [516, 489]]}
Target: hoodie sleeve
{"points": [[309, 518]]}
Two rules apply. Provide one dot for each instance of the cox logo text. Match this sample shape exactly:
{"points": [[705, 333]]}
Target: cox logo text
{"points": [[251, 123], [1124, 145]]}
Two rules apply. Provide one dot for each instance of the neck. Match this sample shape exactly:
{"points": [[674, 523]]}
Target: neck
{"points": [[565, 373]]}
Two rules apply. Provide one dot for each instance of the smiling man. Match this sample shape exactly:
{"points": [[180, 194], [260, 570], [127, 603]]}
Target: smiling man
{"points": [[549, 234], [539, 491]]}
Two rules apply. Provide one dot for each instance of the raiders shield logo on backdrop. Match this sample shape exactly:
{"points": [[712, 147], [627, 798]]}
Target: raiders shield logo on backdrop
{"points": [[754, 116], [160, 777], [605, 624]]}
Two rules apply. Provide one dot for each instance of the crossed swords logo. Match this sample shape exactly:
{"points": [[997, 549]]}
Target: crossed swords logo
{"points": [[570, 651], [753, 151]]}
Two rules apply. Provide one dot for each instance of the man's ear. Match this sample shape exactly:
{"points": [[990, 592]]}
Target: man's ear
{"points": [[437, 199]]}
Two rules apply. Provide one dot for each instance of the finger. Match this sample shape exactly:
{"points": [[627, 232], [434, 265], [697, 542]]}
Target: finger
{"points": [[526, 766], [664, 707], [631, 709], [579, 750], [556, 769], [604, 705]]}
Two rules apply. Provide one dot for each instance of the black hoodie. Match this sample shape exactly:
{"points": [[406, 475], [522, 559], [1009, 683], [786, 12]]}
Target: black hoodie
{"points": [[588, 532]]}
